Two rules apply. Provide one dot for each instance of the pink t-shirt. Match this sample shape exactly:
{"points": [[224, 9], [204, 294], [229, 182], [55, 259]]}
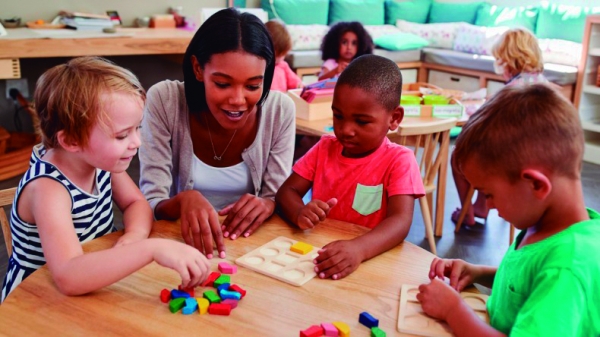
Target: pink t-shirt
{"points": [[361, 185], [328, 65], [284, 78]]}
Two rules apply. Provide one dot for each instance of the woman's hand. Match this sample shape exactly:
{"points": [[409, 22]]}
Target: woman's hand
{"points": [[200, 223], [246, 215]]}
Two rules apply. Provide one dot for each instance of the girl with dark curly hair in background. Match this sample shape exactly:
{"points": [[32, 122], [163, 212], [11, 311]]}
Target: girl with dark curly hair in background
{"points": [[344, 42]]}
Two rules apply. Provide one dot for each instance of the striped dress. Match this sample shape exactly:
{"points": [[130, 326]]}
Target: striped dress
{"points": [[92, 217]]}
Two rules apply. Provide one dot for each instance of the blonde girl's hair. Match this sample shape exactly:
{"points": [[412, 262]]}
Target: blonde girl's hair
{"points": [[68, 97], [518, 50], [282, 41]]}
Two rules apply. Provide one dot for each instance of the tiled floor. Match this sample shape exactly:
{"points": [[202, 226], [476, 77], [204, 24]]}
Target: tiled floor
{"points": [[483, 244]]}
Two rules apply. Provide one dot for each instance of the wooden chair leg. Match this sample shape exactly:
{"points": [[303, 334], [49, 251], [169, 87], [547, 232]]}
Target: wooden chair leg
{"points": [[425, 210], [511, 238], [464, 209]]}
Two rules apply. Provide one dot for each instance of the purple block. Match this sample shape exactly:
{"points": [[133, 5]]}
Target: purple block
{"points": [[232, 303]]}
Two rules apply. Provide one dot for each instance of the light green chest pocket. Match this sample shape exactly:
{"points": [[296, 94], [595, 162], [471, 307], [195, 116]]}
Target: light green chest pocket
{"points": [[367, 199]]}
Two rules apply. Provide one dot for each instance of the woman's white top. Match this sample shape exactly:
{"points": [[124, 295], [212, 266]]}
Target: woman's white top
{"points": [[221, 186]]}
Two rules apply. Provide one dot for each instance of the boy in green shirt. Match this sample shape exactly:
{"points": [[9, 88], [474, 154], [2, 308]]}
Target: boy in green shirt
{"points": [[523, 151]]}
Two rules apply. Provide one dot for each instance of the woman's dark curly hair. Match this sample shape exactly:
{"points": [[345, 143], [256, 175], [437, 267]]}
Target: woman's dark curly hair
{"points": [[330, 47]]}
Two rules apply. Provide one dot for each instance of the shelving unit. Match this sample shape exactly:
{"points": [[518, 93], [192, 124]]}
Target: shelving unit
{"points": [[587, 93]]}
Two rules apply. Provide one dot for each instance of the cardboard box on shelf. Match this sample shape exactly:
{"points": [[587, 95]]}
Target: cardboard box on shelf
{"points": [[319, 108]]}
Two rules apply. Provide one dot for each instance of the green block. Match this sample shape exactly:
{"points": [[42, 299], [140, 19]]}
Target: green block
{"points": [[222, 280], [376, 332], [176, 304], [212, 297]]}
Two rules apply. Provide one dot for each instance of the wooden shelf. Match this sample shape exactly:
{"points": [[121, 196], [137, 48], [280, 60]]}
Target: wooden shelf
{"points": [[593, 125], [591, 152], [594, 52], [591, 89]]}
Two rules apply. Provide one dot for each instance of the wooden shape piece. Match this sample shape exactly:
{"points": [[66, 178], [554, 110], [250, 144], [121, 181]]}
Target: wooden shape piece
{"points": [[343, 328], [232, 303], [211, 296], [226, 268], [329, 329], [165, 295], [210, 280], [222, 280], [191, 305], [313, 331], [176, 304], [302, 248], [367, 320], [203, 304], [377, 332], [219, 309], [239, 289]]}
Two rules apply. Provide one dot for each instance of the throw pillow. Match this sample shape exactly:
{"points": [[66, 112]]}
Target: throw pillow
{"points": [[412, 10], [560, 51], [294, 12], [440, 35], [367, 12], [401, 41], [475, 39], [307, 37], [453, 12], [493, 16], [563, 22], [380, 30]]}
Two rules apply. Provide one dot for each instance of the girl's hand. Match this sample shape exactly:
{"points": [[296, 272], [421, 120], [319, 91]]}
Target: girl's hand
{"points": [[130, 237], [438, 299], [460, 273], [337, 260], [191, 265], [246, 215], [200, 224], [341, 66], [314, 212]]}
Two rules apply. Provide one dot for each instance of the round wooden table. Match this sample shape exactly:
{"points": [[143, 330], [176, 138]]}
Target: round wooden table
{"points": [[271, 308]]}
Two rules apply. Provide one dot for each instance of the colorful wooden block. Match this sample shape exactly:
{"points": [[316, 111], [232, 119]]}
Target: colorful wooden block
{"points": [[329, 329], [302, 248], [226, 268], [165, 295], [189, 291], [376, 332], [179, 294], [211, 296], [224, 286], [191, 305], [211, 279], [176, 304], [343, 328], [232, 303], [203, 304], [230, 295], [367, 320], [219, 309], [239, 289], [313, 331], [222, 280]]}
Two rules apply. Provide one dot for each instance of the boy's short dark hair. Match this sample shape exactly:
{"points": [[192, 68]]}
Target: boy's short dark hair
{"points": [[377, 76], [523, 126]]}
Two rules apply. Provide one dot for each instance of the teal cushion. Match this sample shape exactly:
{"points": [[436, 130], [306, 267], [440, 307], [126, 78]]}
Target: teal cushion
{"points": [[294, 12], [562, 21], [453, 12], [412, 11], [367, 12], [494, 16], [401, 41]]}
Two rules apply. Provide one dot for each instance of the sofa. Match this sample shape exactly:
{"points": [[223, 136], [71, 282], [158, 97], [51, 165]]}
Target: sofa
{"points": [[443, 43]]}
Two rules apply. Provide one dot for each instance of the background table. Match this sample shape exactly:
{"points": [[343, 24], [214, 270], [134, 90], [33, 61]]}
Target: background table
{"points": [[271, 308]]}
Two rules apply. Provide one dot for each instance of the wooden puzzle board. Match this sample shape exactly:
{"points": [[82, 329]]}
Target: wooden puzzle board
{"points": [[412, 319], [275, 259]]}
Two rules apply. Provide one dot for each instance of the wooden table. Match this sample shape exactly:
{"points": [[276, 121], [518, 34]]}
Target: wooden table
{"points": [[271, 308]]}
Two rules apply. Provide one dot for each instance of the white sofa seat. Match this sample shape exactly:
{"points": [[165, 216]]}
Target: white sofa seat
{"points": [[312, 58]]}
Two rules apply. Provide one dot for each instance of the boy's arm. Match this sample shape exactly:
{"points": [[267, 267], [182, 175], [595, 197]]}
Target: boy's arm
{"points": [[137, 214], [289, 197]]}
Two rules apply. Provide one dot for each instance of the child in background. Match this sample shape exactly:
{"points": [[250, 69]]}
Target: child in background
{"points": [[90, 111], [519, 60], [284, 78], [358, 176], [344, 42], [523, 151]]}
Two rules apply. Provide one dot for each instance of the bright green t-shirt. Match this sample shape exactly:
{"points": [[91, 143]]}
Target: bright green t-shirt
{"points": [[551, 287]]}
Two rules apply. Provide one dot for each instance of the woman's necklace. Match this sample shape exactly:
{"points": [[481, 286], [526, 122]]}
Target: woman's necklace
{"points": [[213, 145]]}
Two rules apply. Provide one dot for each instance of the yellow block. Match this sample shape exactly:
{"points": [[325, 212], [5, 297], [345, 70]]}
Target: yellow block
{"points": [[202, 305], [301, 248], [343, 328]]}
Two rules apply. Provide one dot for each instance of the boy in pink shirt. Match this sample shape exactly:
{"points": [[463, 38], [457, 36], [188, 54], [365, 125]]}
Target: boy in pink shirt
{"points": [[359, 176]]}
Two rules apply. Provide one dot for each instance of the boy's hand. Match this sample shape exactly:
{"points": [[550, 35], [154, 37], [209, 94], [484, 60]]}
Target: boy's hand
{"points": [[460, 273], [245, 215], [314, 212], [192, 266], [337, 260], [200, 224], [438, 299]]}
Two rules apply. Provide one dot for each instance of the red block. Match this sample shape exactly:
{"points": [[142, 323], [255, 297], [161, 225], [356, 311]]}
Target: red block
{"points": [[165, 295], [189, 291], [210, 280], [313, 331], [237, 288], [219, 309]]}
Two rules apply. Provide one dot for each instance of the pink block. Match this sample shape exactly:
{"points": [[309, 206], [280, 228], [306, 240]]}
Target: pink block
{"points": [[329, 329], [232, 303], [226, 268]]}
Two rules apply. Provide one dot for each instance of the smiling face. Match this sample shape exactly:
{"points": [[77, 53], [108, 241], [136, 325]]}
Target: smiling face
{"points": [[348, 46], [360, 122], [233, 84]]}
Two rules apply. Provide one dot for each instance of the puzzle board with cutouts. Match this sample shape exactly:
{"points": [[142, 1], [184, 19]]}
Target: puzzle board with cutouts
{"points": [[412, 319], [275, 259]]}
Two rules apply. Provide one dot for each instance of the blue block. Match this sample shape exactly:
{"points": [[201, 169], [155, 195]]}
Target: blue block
{"points": [[233, 295], [179, 294], [224, 286], [191, 305], [367, 320]]}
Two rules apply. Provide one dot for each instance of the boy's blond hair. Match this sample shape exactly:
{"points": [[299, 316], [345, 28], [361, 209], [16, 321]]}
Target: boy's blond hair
{"points": [[68, 97], [282, 41], [523, 126], [519, 51]]}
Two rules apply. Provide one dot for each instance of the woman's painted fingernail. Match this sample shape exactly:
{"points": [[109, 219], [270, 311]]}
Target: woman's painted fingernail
{"points": [[209, 256], [222, 228], [322, 275], [222, 255], [335, 276], [316, 270], [225, 234], [247, 234], [233, 237]]}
